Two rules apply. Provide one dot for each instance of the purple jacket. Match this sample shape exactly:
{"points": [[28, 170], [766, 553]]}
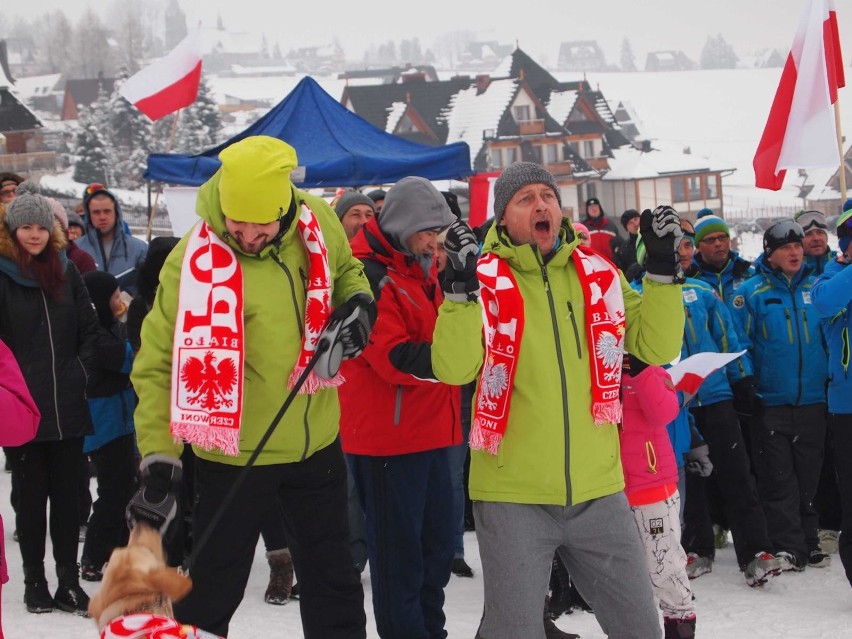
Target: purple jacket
{"points": [[649, 404]]}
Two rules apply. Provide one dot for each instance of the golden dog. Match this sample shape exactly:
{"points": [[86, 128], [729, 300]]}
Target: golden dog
{"points": [[135, 597]]}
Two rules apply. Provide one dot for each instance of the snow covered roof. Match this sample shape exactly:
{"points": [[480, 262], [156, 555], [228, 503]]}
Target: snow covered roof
{"points": [[395, 112], [217, 41], [469, 114], [560, 104], [35, 86], [629, 163]]}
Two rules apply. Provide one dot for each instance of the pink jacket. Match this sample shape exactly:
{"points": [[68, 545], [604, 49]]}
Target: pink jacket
{"points": [[20, 420], [649, 405]]}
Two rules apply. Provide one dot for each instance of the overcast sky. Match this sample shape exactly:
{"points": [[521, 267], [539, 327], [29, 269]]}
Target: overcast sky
{"points": [[538, 25]]}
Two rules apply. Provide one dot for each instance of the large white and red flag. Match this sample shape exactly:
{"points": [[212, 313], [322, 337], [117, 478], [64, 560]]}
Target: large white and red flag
{"points": [[800, 131], [168, 84], [688, 374]]}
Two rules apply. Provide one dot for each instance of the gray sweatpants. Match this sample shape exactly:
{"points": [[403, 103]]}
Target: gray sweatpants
{"points": [[602, 552]]}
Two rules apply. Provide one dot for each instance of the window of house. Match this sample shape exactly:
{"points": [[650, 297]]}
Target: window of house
{"points": [[522, 113], [496, 158], [695, 188], [552, 154], [591, 190], [510, 154], [679, 190], [589, 149], [712, 187]]}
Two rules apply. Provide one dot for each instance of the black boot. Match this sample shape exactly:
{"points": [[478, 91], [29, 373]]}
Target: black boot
{"points": [[69, 596], [552, 631], [36, 595], [560, 590]]}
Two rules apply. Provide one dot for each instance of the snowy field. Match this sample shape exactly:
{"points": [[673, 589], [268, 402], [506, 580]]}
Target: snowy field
{"points": [[814, 604]]}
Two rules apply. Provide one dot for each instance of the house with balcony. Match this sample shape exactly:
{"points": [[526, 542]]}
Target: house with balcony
{"points": [[20, 134], [520, 112]]}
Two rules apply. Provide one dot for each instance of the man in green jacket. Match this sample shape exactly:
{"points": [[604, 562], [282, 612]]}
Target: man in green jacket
{"points": [[243, 299], [546, 345]]}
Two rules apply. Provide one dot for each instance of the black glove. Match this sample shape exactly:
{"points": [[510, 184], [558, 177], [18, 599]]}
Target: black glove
{"points": [[346, 335], [698, 460], [460, 281], [636, 365], [747, 399], [155, 503], [661, 234]]}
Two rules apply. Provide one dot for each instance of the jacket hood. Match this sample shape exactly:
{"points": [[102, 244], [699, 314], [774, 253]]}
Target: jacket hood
{"points": [[371, 243], [9, 250]]}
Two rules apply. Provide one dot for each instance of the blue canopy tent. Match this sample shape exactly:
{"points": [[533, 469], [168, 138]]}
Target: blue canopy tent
{"points": [[335, 146]]}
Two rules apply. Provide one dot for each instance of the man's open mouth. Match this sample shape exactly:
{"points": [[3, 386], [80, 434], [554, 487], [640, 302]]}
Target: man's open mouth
{"points": [[542, 226]]}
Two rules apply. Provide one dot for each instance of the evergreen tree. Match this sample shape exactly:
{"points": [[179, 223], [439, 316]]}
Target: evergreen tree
{"points": [[718, 54], [200, 123], [628, 60], [90, 149], [130, 136]]}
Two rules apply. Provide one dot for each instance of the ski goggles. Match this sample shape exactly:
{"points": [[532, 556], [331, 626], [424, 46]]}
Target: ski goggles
{"points": [[812, 220]]}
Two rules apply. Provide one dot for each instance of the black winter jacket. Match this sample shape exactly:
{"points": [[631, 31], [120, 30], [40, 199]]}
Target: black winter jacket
{"points": [[53, 340]]}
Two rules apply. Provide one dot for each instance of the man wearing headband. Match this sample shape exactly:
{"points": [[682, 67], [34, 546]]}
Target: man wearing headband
{"points": [[817, 252], [832, 298]]}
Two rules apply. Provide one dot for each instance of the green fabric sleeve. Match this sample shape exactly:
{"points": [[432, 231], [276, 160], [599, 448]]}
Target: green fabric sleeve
{"points": [[654, 321], [457, 349]]}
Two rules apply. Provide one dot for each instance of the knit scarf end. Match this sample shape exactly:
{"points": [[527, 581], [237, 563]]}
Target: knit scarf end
{"points": [[484, 439], [225, 439], [314, 383], [607, 412]]}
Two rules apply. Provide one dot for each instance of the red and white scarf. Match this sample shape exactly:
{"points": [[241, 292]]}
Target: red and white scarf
{"points": [[503, 323], [151, 626], [209, 341]]}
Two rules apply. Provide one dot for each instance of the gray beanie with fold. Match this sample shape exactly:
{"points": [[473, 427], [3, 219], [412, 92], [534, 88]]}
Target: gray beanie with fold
{"points": [[515, 177], [412, 205], [349, 199], [29, 207]]}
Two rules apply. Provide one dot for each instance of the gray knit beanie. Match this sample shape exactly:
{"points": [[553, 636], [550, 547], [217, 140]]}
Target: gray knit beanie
{"points": [[515, 177], [29, 208], [349, 199], [412, 205]]}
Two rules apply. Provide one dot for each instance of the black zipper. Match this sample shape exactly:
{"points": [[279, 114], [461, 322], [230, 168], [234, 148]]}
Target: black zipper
{"points": [[52, 362], [555, 324], [576, 332]]}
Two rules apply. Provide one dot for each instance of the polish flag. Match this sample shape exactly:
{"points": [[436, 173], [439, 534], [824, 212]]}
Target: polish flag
{"points": [[482, 198], [800, 130], [170, 83], [688, 374]]}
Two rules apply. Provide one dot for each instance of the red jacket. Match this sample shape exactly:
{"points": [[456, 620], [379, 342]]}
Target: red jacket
{"points": [[649, 405], [601, 232], [391, 403]]}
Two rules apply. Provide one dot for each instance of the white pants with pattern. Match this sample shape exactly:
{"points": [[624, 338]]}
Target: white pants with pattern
{"points": [[659, 530]]}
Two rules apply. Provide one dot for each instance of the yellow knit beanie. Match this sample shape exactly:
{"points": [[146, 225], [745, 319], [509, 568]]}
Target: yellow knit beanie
{"points": [[255, 183]]}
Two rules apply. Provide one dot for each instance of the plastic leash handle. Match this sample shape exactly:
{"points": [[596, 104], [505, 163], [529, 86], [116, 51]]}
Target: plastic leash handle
{"points": [[329, 361]]}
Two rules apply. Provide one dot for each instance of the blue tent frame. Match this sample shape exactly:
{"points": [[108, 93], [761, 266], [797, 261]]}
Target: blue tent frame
{"points": [[336, 147]]}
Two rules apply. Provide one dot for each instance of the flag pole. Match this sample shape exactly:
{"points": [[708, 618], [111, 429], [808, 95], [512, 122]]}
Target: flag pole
{"points": [[160, 184], [842, 155]]}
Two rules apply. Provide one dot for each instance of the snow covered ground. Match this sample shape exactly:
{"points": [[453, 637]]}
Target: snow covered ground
{"points": [[814, 604]]}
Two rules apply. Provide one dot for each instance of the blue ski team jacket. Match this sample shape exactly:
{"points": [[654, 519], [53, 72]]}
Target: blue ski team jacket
{"points": [[832, 298]]}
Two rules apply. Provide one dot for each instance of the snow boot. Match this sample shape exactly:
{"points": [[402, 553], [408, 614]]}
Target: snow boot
{"points": [[69, 596], [37, 597], [552, 631], [758, 571], [679, 628], [696, 565], [461, 569], [828, 540], [280, 577]]}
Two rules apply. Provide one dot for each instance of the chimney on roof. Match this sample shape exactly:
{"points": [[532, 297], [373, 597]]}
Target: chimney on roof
{"points": [[409, 78], [482, 82], [4, 61]]}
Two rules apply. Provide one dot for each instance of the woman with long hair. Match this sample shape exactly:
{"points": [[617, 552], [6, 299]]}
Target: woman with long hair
{"points": [[47, 320]]}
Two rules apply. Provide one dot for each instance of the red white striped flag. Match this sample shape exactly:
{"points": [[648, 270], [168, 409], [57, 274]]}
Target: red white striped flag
{"points": [[800, 131], [170, 83], [688, 374]]}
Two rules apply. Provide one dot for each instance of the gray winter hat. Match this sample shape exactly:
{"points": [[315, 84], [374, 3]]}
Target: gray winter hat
{"points": [[349, 199], [515, 177], [29, 207], [412, 205]]}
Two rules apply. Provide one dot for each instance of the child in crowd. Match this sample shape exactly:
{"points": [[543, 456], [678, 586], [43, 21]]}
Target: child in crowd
{"points": [[112, 447], [651, 476]]}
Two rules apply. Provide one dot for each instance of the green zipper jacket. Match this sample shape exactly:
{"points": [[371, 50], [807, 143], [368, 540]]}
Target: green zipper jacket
{"points": [[552, 452], [274, 294]]}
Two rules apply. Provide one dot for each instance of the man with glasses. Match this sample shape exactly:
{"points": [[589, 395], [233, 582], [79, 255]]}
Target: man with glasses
{"points": [[832, 298], [817, 252], [715, 262], [8, 186]]}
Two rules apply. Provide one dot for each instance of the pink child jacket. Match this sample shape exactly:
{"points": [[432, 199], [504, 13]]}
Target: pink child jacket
{"points": [[20, 420], [649, 404]]}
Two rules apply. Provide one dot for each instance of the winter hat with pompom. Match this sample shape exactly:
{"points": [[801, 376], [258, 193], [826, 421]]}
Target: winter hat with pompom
{"points": [[29, 207]]}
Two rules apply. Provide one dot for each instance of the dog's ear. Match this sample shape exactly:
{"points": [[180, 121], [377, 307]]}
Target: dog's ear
{"points": [[169, 581]]}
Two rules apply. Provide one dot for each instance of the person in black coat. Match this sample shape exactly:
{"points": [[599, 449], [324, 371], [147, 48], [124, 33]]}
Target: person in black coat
{"points": [[47, 320]]}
